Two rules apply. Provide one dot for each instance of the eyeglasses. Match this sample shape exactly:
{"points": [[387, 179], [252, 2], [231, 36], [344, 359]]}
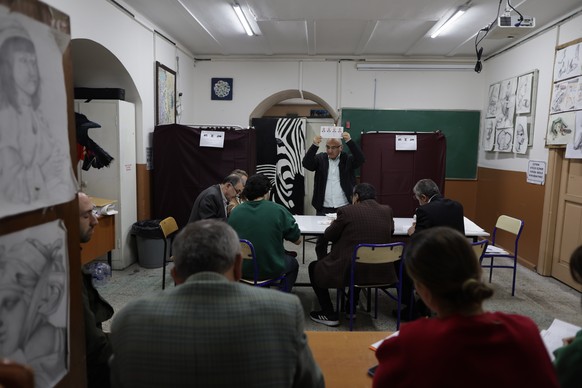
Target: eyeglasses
{"points": [[332, 147]]}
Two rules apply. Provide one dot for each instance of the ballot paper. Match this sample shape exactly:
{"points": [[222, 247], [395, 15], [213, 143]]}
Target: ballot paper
{"points": [[377, 344], [553, 337]]}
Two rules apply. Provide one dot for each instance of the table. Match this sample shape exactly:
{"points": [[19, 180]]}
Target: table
{"points": [[316, 225], [344, 356], [102, 242]]}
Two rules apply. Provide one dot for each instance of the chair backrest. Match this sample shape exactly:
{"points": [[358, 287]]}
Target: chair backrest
{"points": [[509, 224], [168, 226], [479, 247], [378, 253], [13, 375]]}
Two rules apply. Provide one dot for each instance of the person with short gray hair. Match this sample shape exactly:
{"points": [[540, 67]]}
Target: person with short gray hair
{"points": [[213, 201], [211, 330]]}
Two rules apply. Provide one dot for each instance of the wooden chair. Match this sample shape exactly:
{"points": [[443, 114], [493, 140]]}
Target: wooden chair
{"points": [[375, 254], [168, 227], [248, 253], [510, 225], [13, 375]]}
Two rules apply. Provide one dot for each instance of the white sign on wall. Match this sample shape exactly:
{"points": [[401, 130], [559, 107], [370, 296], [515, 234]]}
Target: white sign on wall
{"points": [[536, 172]]}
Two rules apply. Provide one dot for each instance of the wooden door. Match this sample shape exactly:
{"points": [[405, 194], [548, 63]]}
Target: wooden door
{"points": [[568, 227]]}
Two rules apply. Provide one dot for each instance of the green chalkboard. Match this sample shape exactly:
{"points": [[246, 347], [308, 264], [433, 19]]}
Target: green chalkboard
{"points": [[461, 129]]}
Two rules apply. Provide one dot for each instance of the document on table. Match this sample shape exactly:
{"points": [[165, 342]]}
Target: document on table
{"points": [[554, 335], [376, 344]]}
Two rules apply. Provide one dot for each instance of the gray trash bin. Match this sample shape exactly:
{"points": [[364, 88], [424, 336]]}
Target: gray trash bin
{"points": [[150, 243]]}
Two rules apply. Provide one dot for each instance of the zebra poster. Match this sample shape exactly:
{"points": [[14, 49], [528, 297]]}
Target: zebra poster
{"points": [[280, 150]]}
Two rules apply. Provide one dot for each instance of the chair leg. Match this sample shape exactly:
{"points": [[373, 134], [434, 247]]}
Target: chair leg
{"points": [[164, 266], [514, 273], [369, 299], [376, 305], [352, 308], [491, 269]]}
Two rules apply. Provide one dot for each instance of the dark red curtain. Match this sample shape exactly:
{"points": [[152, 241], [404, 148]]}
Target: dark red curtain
{"points": [[182, 169], [394, 173]]}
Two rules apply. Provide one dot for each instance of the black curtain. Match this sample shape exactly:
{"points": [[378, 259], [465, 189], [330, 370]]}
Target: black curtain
{"points": [[182, 169], [394, 173]]}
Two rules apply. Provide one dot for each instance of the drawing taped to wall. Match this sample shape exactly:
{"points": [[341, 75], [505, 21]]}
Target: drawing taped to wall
{"points": [[524, 88], [574, 149], [560, 128], [493, 98], [566, 95], [503, 140], [506, 103], [568, 62], [488, 139], [35, 163], [34, 299], [520, 138]]}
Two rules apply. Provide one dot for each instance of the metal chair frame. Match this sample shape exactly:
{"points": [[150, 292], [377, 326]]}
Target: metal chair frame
{"points": [[248, 253], [168, 227], [511, 225], [375, 254]]}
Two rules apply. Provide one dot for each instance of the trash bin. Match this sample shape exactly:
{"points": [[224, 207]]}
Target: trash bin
{"points": [[150, 243]]}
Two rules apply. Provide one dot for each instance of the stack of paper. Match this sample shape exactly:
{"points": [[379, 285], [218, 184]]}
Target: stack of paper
{"points": [[553, 337]]}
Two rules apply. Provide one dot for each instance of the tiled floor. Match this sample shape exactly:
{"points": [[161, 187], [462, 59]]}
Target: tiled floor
{"points": [[538, 297]]}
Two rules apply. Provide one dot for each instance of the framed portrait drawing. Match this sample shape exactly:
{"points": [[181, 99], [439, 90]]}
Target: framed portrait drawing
{"points": [[165, 95]]}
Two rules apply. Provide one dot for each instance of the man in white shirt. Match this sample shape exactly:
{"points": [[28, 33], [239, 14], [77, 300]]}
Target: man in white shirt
{"points": [[334, 177]]}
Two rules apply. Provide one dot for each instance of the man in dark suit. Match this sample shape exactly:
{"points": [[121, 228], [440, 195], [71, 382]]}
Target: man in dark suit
{"points": [[211, 330], [366, 221], [334, 178], [434, 209], [212, 202]]}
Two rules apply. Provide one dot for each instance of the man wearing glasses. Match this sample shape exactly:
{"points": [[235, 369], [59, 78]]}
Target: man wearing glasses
{"points": [[212, 202], [335, 177]]}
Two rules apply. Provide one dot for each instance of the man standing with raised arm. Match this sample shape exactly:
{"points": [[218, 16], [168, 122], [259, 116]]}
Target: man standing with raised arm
{"points": [[335, 177]]}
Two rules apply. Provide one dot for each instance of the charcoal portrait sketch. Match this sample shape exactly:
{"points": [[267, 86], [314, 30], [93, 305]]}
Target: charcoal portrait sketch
{"points": [[35, 163], [568, 62], [493, 98], [488, 139], [33, 300], [506, 103], [524, 88], [520, 138]]}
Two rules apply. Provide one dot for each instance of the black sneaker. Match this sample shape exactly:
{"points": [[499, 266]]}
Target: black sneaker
{"points": [[324, 319]]}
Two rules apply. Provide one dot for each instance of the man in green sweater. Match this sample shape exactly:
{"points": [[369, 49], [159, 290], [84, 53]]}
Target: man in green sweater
{"points": [[266, 225]]}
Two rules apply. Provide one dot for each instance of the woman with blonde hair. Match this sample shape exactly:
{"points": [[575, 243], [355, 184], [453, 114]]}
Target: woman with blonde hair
{"points": [[463, 345]]}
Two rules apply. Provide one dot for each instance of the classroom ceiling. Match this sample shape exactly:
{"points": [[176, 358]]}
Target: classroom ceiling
{"points": [[334, 29]]}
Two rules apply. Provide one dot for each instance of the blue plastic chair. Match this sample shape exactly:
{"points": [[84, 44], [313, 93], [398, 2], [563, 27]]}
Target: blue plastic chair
{"points": [[510, 225], [374, 254]]}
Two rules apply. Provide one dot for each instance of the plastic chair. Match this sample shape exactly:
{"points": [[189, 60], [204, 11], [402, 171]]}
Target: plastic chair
{"points": [[13, 375], [168, 227], [375, 254], [510, 225], [479, 247], [248, 253]]}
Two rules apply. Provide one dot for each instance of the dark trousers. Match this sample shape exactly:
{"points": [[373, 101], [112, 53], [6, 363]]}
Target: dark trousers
{"points": [[291, 271], [322, 294], [321, 243]]}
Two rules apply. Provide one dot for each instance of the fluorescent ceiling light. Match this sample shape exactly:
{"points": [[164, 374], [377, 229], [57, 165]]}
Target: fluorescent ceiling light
{"points": [[243, 20], [446, 25], [414, 66]]}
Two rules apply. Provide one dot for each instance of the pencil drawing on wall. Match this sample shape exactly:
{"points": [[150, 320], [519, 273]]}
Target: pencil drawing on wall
{"points": [[493, 98], [488, 134], [524, 88], [35, 162], [560, 128], [520, 138], [33, 300], [506, 103], [504, 140], [568, 62], [165, 95]]}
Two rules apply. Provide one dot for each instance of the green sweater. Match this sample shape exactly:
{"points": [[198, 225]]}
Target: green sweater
{"points": [[568, 363], [265, 224]]}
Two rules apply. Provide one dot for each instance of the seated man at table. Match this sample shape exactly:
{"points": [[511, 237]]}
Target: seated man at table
{"points": [[434, 210], [266, 224], [366, 221], [211, 330], [212, 202]]}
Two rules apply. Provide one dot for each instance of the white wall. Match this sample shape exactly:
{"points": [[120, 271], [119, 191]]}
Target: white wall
{"points": [[340, 84], [537, 53]]}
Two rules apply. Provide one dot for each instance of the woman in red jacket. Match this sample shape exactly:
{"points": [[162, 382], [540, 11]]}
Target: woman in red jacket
{"points": [[463, 345]]}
